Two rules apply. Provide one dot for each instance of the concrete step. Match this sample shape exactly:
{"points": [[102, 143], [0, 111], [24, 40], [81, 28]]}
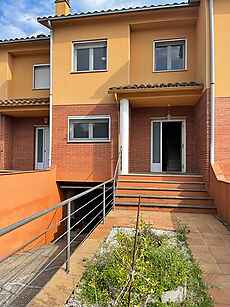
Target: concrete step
{"points": [[164, 199], [162, 177], [188, 208], [162, 191], [161, 184]]}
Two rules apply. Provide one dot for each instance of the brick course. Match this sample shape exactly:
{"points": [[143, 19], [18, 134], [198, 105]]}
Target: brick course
{"points": [[17, 142], [222, 129], [140, 135], [6, 142], [83, 161], [202, 135], [24, 142]]}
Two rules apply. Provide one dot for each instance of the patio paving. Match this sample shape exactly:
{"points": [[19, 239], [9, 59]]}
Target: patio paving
{"points": [[208, 239]]}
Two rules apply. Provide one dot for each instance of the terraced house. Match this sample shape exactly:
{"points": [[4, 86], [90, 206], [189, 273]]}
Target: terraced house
{"points": [[150, 83]]}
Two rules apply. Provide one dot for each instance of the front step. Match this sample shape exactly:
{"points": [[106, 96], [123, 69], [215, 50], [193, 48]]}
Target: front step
{"points": [[177, 200], [161, 191], [161, 184], [169, 207], [181, 192], [163, 177]]}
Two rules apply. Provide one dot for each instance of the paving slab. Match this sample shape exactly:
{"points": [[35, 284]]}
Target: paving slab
{"points": [[208, 239]]}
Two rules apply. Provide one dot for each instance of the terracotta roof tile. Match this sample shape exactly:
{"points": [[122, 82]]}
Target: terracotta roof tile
{"points": [[26, 39], [24, 102], [154, 86], [117, 11]]}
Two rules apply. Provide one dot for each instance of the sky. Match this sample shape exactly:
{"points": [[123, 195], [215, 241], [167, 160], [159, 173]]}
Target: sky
{"points": [[18, 17]]}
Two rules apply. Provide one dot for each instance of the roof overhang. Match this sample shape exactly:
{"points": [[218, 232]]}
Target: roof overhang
{"points": [[179, 94], [116, 12], [38, 38], [25, 107]]}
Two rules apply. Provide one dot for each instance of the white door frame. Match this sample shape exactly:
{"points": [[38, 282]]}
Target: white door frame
{"points": [[183, 142], [45, 163]]}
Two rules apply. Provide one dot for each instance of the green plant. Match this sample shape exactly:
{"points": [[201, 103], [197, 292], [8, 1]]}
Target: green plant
{"points": [[163, 263]]}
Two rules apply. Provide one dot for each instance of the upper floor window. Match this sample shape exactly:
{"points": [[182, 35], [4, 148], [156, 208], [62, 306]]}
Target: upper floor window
{"points": [[170, 55], [90, 56], [89, 128], [41, 79]]}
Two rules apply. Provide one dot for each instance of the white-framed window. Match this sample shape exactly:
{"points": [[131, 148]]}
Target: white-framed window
{"points": [[41, 76], [89, 128], [90, 56], [170, 55]]}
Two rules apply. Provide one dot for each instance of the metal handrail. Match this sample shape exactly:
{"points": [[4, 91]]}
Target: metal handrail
{"points": [[106, 203], [35, 216], [118, 164]]}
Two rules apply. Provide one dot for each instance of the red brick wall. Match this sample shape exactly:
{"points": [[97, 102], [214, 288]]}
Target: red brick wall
{"points": [[83, 161], [17, 142], [24, 142], [222, 129], [6, 142], [202, 136], [140, 135]]}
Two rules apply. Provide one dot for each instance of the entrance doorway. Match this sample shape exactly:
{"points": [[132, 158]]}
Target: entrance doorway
{"points": [[42, 147], [168, 153]]}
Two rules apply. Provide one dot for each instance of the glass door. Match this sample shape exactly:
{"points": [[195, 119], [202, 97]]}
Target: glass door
{"points": [[42, 148], [156, 144], [168, 146]]}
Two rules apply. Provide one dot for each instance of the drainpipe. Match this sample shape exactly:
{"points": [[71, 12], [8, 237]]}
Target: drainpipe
{"points": [[51, 97], [212, 80]]}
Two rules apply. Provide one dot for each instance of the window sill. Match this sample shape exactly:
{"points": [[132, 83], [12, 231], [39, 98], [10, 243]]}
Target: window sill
{"points": [[40, 89], [88, 71], [87, 141], [165, 71]]}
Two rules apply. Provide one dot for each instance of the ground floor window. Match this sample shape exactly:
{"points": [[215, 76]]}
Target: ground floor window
{"points": [[89, 128]]}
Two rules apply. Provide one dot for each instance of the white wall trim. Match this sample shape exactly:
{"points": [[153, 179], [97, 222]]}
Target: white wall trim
{"points": [[171, 40], [184, 136], [124, 135], [89, 117], [33, 85], [73, 70]]}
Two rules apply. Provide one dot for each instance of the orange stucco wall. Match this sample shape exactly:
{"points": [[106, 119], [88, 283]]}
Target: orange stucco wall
{"points": [[219, 188], [202, 42], [16, 68], [222, 47], [128, 39], [142, 53], [89, 88], [22, 195], [21, 85]]}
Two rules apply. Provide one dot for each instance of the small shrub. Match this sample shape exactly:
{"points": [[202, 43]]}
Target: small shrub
{"points": [[163, 263]]}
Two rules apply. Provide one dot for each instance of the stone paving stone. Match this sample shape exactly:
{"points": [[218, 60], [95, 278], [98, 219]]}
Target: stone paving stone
{"points": [[221, 254], [224, 268], [220, 296], [208, 239], [210, 268]]}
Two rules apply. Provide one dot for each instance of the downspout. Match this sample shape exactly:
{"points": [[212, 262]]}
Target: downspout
{"points": [[212, 81], [51, 97]]}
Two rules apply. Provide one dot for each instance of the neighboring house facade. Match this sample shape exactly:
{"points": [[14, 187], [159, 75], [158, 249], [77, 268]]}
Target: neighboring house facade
{"points": [[136, 79]]}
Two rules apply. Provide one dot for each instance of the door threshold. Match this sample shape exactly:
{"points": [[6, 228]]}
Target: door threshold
{"points": [[164, 174]]}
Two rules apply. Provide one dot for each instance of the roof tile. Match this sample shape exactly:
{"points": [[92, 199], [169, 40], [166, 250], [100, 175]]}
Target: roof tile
{"points": [[24, 102], [114, 11], [155, 85], [25, 39]]}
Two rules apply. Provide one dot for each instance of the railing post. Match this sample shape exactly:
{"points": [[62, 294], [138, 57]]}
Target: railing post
{"points": [[104, 204], [68, 237], [114, 192]]}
